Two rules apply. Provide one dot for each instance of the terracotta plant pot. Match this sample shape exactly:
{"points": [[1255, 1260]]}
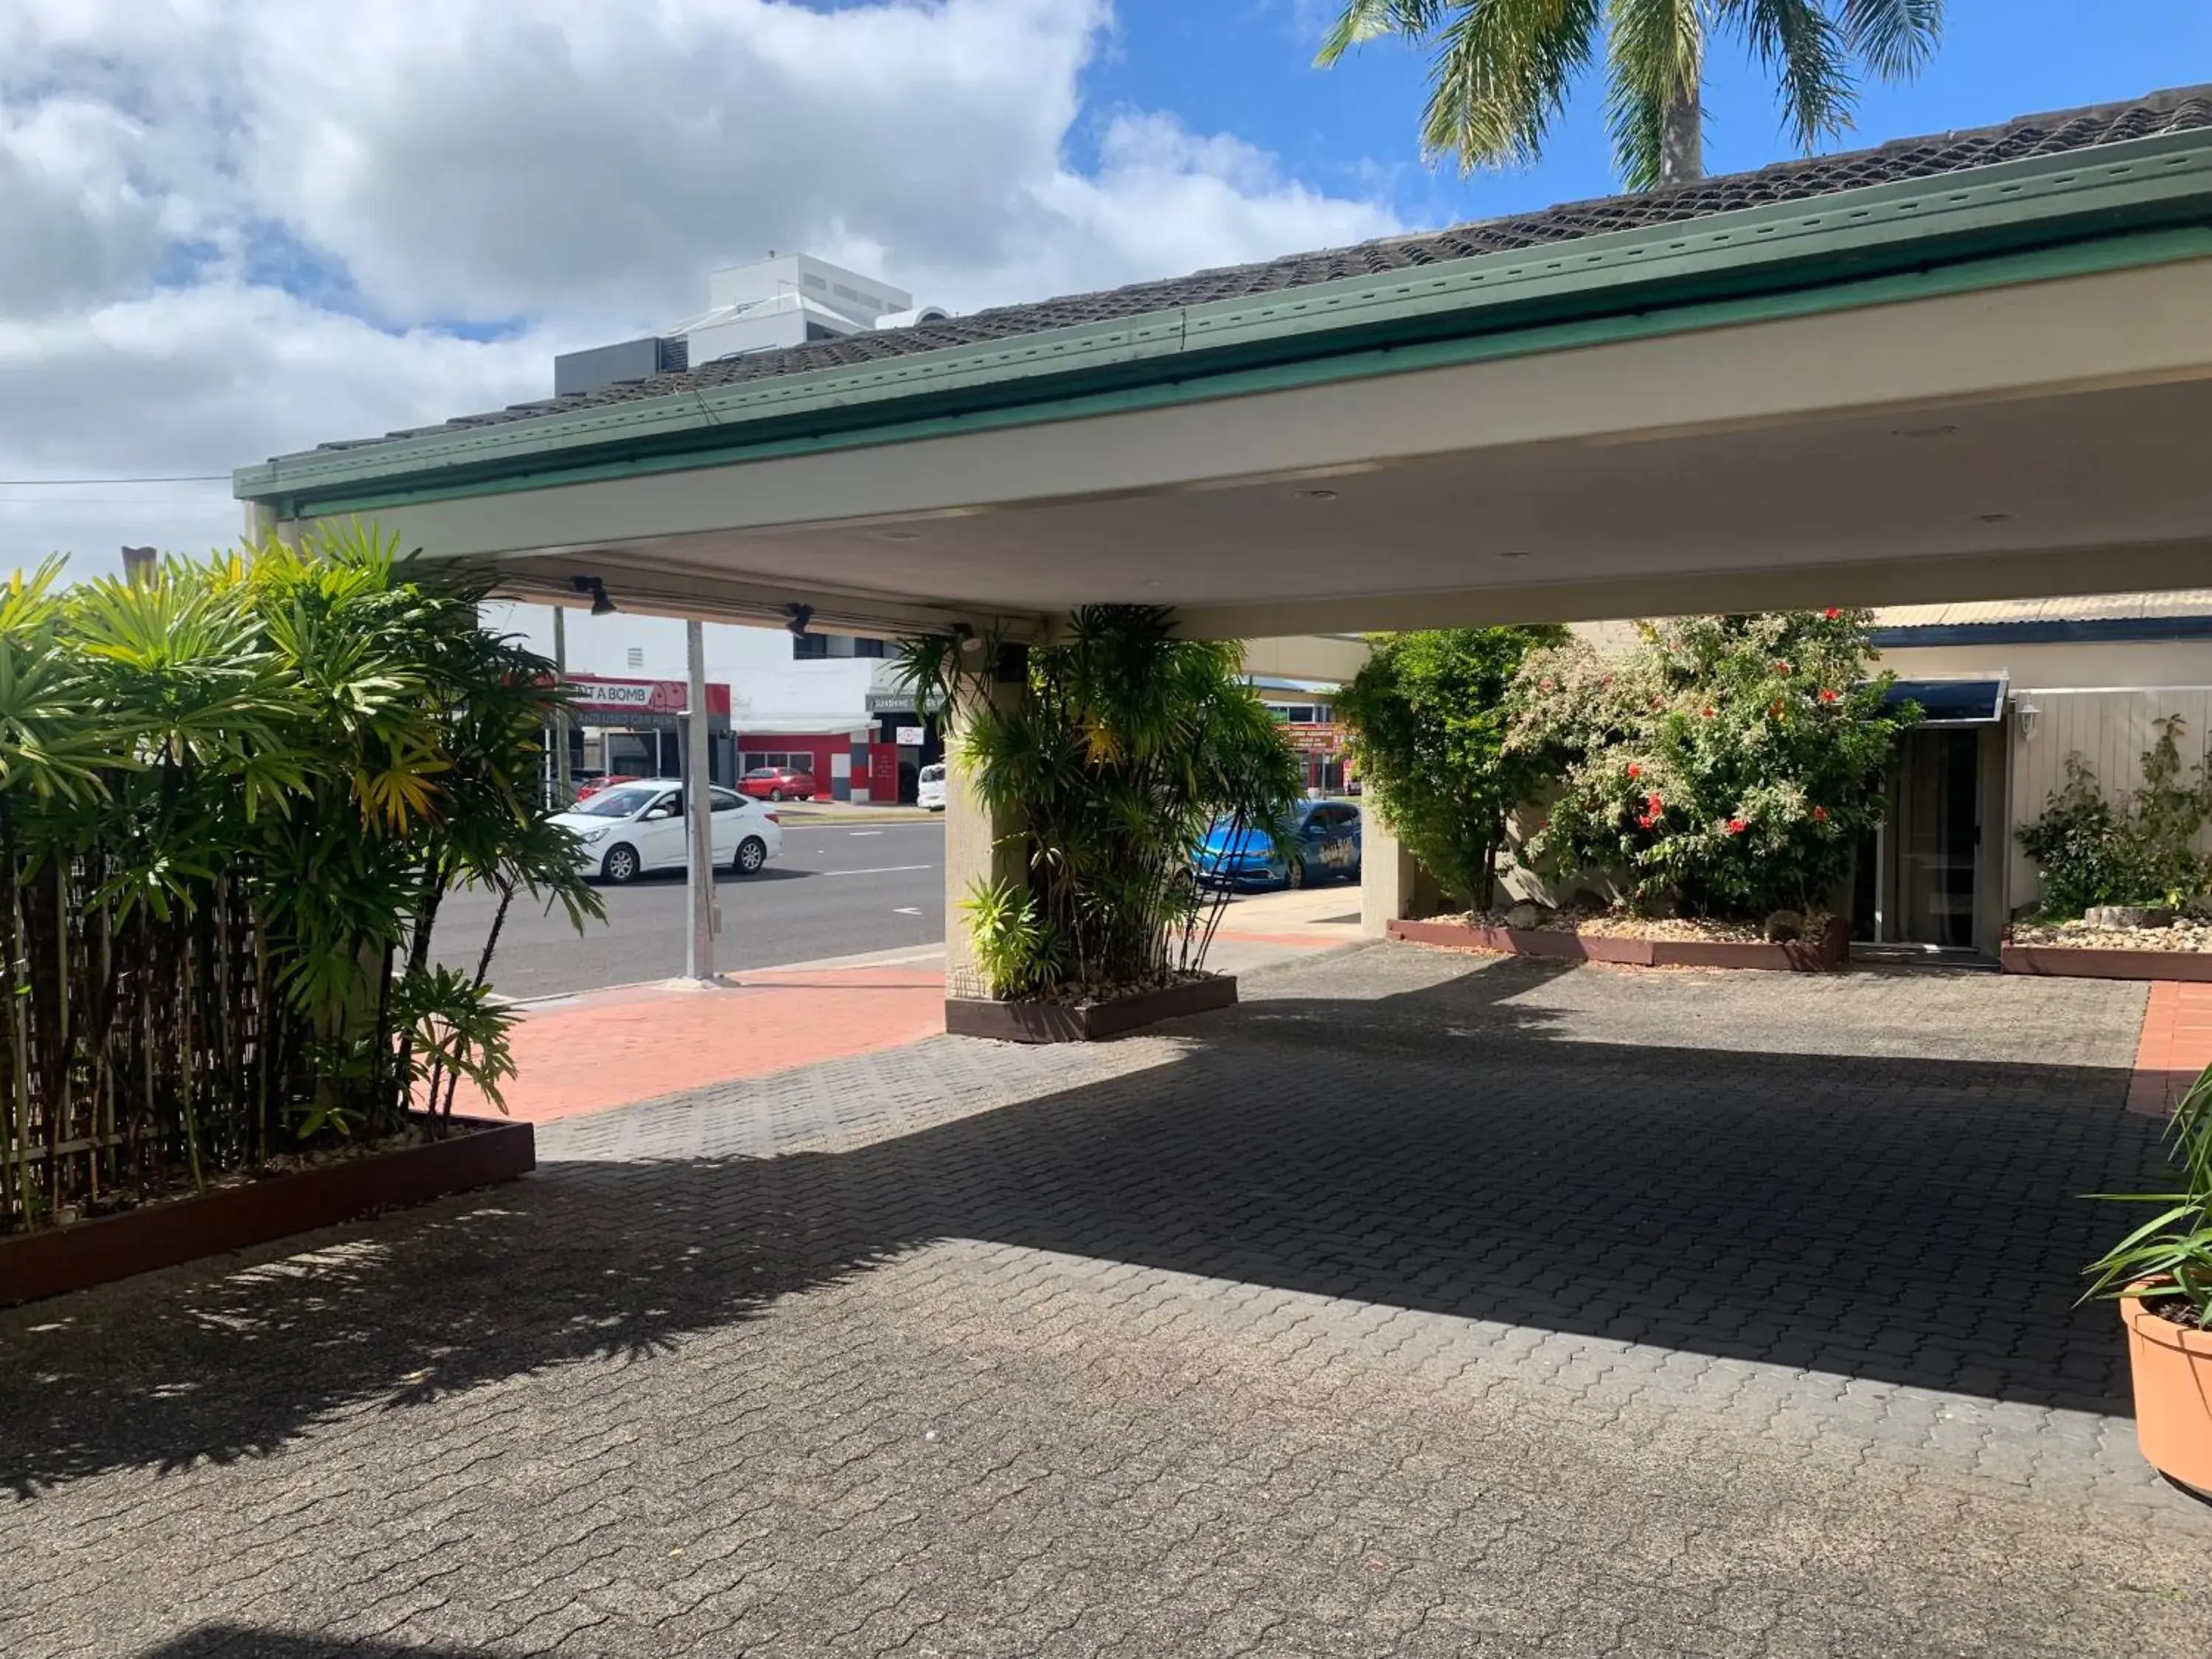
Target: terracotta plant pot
{"points": [[2173, 1369]]}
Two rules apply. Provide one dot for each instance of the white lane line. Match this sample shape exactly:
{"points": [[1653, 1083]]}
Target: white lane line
{"points": [[864, 832], [907, 910], [887, 870]]}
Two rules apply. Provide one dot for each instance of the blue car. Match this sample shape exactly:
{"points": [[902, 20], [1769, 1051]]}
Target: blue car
{"points": [[1323, 835]]}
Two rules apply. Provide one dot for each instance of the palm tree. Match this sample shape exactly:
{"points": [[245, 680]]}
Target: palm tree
{"points": [[1503, 68]]}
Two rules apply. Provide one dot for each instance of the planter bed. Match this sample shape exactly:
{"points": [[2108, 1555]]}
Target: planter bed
{"points": [[1799, 956], [1031, 1021], [2083, 961], [479, 1152]]}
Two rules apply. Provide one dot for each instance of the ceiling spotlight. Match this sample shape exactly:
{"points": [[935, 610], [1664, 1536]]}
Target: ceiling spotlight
{"points": [[597, 588], [796, 618], [1316, 495], [1993, 518], [1514, 553], [897, 535], [1923, 431]]}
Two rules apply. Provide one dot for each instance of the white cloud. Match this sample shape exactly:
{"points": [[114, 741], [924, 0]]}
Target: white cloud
{"points": [[249, 225]]}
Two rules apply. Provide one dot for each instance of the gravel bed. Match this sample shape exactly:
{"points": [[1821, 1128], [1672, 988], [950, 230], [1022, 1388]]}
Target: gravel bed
{"points": [[1620, 924], [2181, 935]]}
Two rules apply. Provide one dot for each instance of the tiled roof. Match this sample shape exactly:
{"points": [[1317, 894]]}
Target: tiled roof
{"points": [[2181, 110], [2096, 607]]}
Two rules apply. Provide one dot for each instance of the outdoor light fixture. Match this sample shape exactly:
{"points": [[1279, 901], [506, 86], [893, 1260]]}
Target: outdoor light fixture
{"points": [[2027, 713], [798, 616], [1514, 553], [597, 588], [1316, 495], [964, 634]]}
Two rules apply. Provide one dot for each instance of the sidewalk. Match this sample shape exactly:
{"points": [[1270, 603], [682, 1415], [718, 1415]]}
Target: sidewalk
{"points": [[601, 1049], [2176, 1045]]}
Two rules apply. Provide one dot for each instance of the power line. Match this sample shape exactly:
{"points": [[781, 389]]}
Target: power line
{"points": [[167, 477]]}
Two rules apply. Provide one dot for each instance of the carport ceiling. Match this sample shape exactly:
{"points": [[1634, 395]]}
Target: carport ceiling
{"points": [[1557, 530]]}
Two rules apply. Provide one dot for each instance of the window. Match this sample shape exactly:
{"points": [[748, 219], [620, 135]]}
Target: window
{"points": [[724, 801], [636, 657], [813, 281], [865, 647], [821, 331], [757, 763], [810, 647]]}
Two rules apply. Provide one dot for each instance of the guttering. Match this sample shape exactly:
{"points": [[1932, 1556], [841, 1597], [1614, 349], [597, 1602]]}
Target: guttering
{"points": [[2139, 202]]}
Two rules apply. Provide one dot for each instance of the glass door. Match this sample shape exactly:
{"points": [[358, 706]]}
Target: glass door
{"points": [[1938, 836]]}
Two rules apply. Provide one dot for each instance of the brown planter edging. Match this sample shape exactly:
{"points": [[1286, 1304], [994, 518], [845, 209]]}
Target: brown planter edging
{"points": [[2082, 961], [1831, 950], [1059, 1022], [110, 1247]]}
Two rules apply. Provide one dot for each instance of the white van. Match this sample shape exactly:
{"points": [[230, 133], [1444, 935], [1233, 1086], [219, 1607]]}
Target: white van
{"points": [[929, 793]]}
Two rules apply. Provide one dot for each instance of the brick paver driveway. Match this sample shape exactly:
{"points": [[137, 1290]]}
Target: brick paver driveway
{"points": [[1419, 1306]]}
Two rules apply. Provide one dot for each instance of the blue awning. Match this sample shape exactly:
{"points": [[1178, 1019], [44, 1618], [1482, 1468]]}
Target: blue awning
{"points": [[1953, 702]]}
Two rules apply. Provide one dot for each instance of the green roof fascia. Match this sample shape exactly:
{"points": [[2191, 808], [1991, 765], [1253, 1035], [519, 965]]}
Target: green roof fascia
{"points": [[2076, 208]]}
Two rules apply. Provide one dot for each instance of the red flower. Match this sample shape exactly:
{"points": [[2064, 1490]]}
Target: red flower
{"points": [[1646, 819], [1655, 804], [1819, 815], [1709, 713], [1781, 668], [1546, 686], [1736, 826], [1829, 696], [1775, 709], [1635, 770], [1831, 613]]}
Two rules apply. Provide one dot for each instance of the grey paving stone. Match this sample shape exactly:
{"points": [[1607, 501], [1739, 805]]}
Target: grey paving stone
{"points": [[1415, 1306]]}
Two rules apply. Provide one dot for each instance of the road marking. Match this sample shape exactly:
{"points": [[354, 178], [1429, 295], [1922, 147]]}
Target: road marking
{"points": [[864, 832], [907, 910], [887, 870]]}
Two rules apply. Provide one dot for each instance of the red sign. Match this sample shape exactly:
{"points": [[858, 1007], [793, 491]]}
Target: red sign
{"points": [[882, 772], [594, 694], [1317, 739]]}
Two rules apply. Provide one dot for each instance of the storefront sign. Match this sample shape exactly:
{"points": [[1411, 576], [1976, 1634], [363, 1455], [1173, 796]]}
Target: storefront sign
{"points": [[593, 694], [1317, 739], [910, 736]]}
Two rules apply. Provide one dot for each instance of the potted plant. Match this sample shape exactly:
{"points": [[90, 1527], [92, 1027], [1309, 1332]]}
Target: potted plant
{"points": [[2161, 1276]]}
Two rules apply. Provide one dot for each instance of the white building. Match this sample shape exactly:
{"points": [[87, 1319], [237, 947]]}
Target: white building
{"points": [[785, 300]]}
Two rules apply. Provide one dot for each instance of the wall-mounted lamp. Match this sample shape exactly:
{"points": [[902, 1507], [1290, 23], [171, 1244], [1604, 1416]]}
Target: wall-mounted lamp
{"points": [[796, 616], [964, 633], [597, 588], [2028, 714]]}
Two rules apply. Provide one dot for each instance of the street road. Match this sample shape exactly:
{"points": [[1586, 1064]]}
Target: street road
{"points": [[838, 890]]}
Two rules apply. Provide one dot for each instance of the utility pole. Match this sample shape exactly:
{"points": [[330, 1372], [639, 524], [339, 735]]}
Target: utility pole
{"points": [[698, 811], [561, 796]]}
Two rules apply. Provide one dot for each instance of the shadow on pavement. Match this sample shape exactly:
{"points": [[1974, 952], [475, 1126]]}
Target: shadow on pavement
{"points": [[1452, 1149], [244, 1642]]}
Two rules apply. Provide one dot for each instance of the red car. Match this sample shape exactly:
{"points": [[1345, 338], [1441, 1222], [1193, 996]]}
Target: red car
{"points": [[777, 783]]}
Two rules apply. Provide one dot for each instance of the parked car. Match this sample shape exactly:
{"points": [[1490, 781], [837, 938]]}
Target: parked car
{"points": [[1323, 837], [778, 783], [929, 791], [588, 786], [633, 827]]}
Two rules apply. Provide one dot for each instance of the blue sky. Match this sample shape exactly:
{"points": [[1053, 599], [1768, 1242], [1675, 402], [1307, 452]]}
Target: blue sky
{"points": [[1244, 66]]}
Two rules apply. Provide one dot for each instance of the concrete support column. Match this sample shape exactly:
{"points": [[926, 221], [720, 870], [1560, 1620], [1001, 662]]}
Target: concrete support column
{"points": [[979, 846], [1393, 886]]}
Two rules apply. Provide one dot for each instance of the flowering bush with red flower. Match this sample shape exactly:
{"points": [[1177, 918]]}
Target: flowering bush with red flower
{"points": [[1766, 736]]}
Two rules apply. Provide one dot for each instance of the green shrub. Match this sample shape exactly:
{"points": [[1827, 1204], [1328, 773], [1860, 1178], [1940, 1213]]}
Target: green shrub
{"points": [[1731, 764], [2143, 851], [1429, 714], [1123, 746]]}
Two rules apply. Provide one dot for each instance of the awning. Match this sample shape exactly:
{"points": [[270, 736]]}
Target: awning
{"points": [[1952, 702]]}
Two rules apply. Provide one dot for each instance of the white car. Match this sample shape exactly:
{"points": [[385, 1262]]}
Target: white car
{"points": [[636, 827], [929, 793]]}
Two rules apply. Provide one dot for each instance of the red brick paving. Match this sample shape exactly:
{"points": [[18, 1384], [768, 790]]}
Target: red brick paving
{"points": [[2176, 1045], [635, 1042]]}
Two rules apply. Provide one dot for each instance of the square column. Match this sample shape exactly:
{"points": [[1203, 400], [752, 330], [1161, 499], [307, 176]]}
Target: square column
{"points": [[1393, 886], [979, 846]]}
